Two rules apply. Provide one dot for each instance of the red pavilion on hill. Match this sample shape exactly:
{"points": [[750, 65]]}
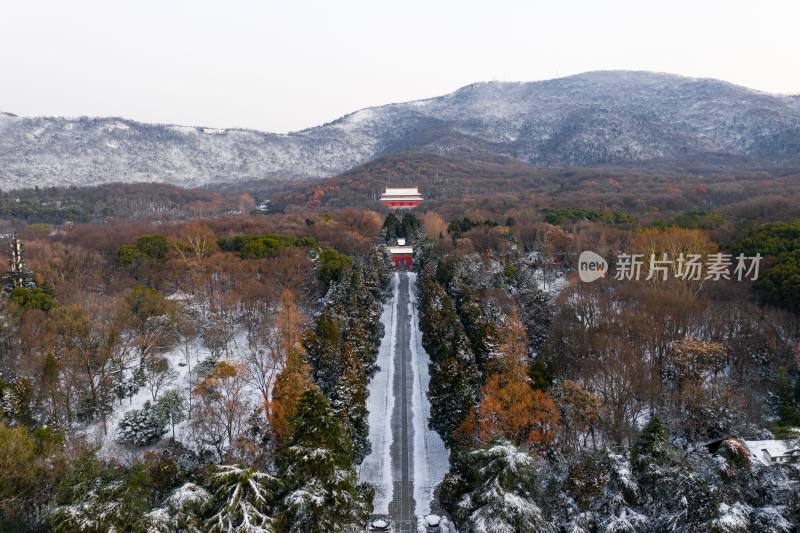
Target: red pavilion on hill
{"points": [[401, 198]]}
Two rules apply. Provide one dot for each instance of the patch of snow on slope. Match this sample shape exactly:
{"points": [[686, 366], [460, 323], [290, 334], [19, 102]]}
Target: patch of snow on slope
{"points": [[184, 129], [115, 126], [377, 466], [111, 449], [354, 120]]}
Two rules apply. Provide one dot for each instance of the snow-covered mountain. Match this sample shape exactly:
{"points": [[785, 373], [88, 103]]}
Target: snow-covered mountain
{"points": [[587, 119]]}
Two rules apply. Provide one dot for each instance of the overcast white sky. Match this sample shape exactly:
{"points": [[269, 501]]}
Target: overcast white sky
{"points": [[287, 65]]}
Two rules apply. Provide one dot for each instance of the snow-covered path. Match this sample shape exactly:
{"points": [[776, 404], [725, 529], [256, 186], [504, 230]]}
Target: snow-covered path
{"points": [[408, 460], [431, 458], [377, 466]]}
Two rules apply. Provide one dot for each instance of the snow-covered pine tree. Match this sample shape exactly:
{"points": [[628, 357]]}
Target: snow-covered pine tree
{"points": [[171, 408], [108, 501], [442, 333], [140, 427], [536, 314], [652, 445], [453, 393], [495, 491], [355, 308], [479, 326], [244, 497], [181, 511], [348, 401], [322, 345], [378, 272], [342, 350], [321, 490]]}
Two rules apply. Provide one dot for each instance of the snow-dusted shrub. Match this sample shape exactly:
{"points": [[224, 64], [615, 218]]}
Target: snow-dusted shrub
{"points": [[140, 427], [244, 494], [770, 519], [182, 510], [159, 520], [496, 491], [94, 513], [171, 408], [204, 368], [731, 519], [189, 497]]}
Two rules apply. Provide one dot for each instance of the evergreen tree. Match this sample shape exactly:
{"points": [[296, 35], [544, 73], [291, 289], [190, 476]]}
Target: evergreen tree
{"points": [[245, 496], [140, 427], [652, 444], [453, 394], [535, 313], [787, 397], [343, 349], [348, 401], [479, 326], [377, 272], [171, 408], [442, 333], [114, 502], [412, 228], [322, 493], [322, 346], [540, 375], [181, 511], [358, 314], [363, 345], [494, 490], [391, 229]]}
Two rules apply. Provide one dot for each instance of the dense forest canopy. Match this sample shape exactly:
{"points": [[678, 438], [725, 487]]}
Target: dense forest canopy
{"points": [[197, 360]]}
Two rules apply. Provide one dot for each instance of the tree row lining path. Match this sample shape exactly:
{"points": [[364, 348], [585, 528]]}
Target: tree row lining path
{"points": [[408, 460]]}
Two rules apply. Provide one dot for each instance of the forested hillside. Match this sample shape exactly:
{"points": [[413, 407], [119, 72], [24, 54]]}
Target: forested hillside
{"points": [[176, 377], [212, 371], [618, 405]]}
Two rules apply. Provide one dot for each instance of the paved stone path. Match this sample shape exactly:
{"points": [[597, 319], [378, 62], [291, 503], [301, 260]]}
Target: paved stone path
{"points": [[401, 508]]}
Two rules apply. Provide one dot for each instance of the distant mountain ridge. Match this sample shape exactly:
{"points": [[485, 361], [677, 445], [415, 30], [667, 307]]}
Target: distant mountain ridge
{"points": [[595, 118]]}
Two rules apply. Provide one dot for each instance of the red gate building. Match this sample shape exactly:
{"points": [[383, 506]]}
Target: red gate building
{"points": [[402, 256], [401, 198]]}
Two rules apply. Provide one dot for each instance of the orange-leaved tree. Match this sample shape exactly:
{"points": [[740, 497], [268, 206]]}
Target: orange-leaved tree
{"points": [[510, 408], [291, 383], [513, 410]]}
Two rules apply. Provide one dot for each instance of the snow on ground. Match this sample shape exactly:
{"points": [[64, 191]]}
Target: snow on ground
{"points": [[197, 351], [109, 448], [551, 282], [431, 458], [376, 468]]}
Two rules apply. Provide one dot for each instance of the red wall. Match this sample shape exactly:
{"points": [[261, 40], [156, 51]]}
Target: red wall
{"points": [[413, 203], [406, 260]]}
